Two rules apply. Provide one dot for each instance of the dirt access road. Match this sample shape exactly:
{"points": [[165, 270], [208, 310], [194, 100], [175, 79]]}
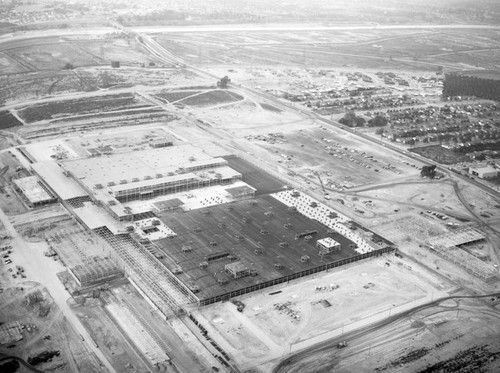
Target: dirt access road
{"points": [[44, 270]]}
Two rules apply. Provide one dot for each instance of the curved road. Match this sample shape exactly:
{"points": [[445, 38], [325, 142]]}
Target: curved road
{"points": [[285, 365]]}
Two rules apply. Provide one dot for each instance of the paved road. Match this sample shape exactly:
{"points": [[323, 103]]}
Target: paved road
{"points": [[44, 270]]}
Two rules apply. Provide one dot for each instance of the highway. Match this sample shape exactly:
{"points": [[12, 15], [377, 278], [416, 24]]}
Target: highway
{"points": [[294, 27]]}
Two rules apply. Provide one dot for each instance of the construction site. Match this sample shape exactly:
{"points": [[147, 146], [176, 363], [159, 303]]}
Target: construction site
{"points": [[232, 198], [206, 250]]}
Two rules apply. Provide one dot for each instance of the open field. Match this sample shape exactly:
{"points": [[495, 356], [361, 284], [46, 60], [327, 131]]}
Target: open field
{"points": [[127, 51], [453, 335], [210, 98], [341, 159], [10, 66], [384, 49], [43, 83], [238, 229], [53, 53], [175, 96], [439, 154], [69, 108], [7, 120]]}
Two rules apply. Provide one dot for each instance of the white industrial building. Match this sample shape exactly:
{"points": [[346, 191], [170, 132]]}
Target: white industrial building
{"points": [[328, 245], [485, 172]]}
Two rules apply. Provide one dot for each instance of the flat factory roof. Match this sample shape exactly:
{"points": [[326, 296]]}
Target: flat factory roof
{"points": [[96, 217], [328, 242], [240, 190], [33, 190], [173, 180], [136, 165], [65, 187]]}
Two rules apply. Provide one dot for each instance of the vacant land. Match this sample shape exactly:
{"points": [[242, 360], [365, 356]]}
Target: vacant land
{"points": [[97, 104], [211, 98], [176, 95], [441, 155], [268, 329], [48, 340], [109, 337], [383, 49], [7, 120]]}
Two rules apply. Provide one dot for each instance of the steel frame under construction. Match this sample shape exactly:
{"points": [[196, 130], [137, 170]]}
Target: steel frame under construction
{"points": [[158, 284], [470, 263]]}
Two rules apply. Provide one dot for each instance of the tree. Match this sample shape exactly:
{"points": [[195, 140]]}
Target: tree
{"points": [[349, 119], [223, 82], [428, 171], [378, 121], [68, 66], [360, 122]]}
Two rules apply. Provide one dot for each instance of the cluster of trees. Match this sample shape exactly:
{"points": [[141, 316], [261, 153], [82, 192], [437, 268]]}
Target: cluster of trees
{"points": [[428, 171], [479, 146], [466, 85], [350, 119]]}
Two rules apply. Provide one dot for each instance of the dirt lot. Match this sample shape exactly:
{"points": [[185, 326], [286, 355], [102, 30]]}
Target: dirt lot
{"points": [[122, 140], [42, 83], [54, 53], [7, 120], [210, 98], [10, 203], [45, 331], [109, 338], [78, 107], [268, 329]]}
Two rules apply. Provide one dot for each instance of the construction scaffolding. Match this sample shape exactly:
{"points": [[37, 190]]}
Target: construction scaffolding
{"points": [[84, 254], [470, 263], [157, 283], [458, 238]]}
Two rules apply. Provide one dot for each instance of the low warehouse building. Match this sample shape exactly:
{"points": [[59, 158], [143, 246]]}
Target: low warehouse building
{"points": [[486, 172], [328, 245], [33, 191]]}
